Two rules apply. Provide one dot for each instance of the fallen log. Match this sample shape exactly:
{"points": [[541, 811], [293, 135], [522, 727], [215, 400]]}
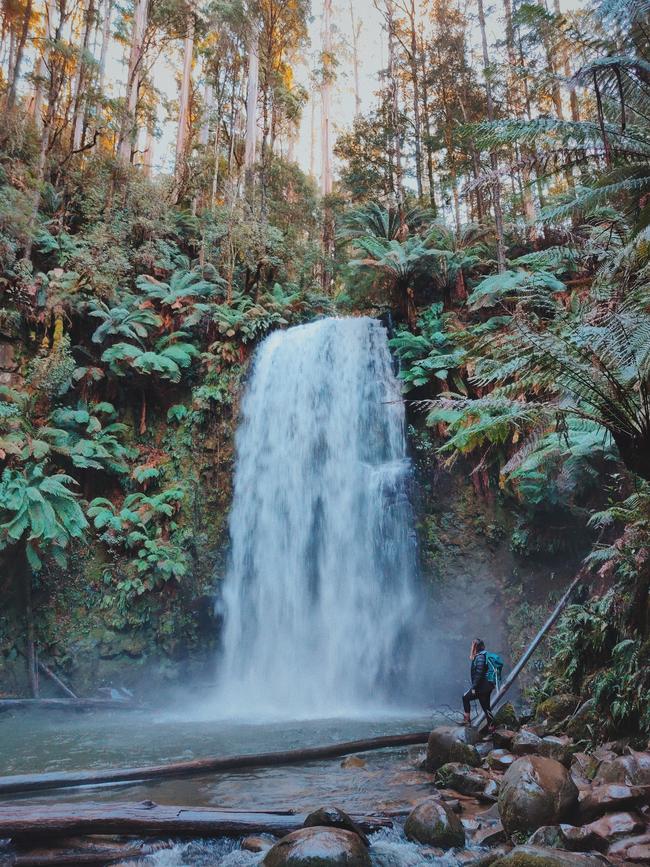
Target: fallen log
{"points": [[80, 851], [75, 704], [532, 647], [147, 819], [25, 783]]}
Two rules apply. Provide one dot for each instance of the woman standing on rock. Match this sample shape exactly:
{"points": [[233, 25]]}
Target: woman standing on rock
{"points": [[482, 687]]}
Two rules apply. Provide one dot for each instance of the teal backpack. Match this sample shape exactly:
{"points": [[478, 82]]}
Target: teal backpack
{"points": [[494, 668]]}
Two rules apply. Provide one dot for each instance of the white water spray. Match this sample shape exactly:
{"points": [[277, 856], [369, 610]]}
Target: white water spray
{"points": [[319, 599]]}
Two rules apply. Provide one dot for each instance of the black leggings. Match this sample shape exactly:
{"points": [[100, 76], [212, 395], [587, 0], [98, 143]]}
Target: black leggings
{"points": [[484, 695]]}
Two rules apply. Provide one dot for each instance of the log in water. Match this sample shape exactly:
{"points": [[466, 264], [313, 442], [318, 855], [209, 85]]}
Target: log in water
{"points": [[25, 783], [147, 819]]}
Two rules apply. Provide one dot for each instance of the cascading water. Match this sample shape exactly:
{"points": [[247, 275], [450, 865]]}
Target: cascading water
{"points": [[319, 600]]}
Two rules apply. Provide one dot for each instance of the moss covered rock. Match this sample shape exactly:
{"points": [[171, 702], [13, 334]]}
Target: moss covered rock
{"points": [[452, 744], [557, 707], [537, 856], [435, 824]]}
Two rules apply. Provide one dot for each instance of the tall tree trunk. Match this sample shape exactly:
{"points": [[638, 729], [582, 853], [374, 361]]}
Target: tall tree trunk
{"points": [[208, 105], [128, 126], [415, 84], [494, 163], [398, 188], [106, 39], [252, 93], [326, 98], [79, 99], [183, 130], [428, 144], [14, 70], [312, 137], [356, 32], [517, 103]]}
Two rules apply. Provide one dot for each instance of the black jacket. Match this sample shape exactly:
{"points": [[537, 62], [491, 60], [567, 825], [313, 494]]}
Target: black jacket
{"points": [[479, 671]]}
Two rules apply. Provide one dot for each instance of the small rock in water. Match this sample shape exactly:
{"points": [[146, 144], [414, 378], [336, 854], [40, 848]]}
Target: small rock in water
{"points": [[260, 843], [434, 823], [462, 778], [353, 762], [318, 847]]}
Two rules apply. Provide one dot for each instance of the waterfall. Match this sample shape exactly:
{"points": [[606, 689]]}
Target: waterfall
{"points": [[319, 599]]}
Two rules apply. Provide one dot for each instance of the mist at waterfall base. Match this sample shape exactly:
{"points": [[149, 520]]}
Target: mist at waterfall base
{"points": [[322, 613]]}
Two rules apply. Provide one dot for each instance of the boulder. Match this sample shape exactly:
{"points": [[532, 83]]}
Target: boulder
{"points": [[633, 769], [614, 826], [584, 766], [490, 836], [606, 798], [462, 778], [557, 707], [333, 817], [569, 837], [499, 760], [507, 716], [639, 853], [620, 849], [432, 822], [452, 744], [558, 748], [526, 743], [503, 738], [536, 791], [318, 847], [539, 856]]}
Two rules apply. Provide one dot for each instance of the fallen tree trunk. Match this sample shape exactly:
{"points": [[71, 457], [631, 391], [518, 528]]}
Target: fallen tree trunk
{"points": [[75, 704], [147, 819], [84, 851], [57, 680], [532, 647], [39, 782]]}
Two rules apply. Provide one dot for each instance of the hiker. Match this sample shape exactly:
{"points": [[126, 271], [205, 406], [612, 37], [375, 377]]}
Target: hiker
{"points": [[485, 672]]}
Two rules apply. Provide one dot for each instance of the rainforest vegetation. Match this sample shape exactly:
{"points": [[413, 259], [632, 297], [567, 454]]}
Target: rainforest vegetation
{"points": [[493, 198]]}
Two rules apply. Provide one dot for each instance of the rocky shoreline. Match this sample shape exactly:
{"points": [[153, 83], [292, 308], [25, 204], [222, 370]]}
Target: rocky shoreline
{"points": [[532, 795]]}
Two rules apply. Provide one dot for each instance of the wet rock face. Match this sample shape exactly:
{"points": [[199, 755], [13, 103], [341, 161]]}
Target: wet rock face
{"points": [[536, 791], [632, 769], [538, 856], [450, 744], [557, 707], [435, 824], [318, 847]]}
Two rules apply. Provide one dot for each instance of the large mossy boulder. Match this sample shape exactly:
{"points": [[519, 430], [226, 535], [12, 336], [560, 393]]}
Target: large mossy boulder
{"points": [[538, 856], [462, 778], [536, 791], [452, 744], [318, 847], [435, 824], [557, 707]]}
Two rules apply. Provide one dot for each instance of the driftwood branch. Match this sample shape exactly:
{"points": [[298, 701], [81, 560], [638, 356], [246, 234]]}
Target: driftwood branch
{"points": [[84, 851], [41, 782], [146, 819]]}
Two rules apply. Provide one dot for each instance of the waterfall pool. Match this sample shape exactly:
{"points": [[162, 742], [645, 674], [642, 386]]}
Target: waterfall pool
{"points": [[53, 741]]}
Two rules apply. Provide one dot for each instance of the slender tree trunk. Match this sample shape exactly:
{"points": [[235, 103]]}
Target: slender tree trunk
{"points": [[428, 137], [415, 84], [326, 97], [14, 70], [129, 123], [252, 94], [106, 39], [494, 163], [394, 111], [79, 99], [356, 32], [208, 105], [183, 130], [312, 138]]}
